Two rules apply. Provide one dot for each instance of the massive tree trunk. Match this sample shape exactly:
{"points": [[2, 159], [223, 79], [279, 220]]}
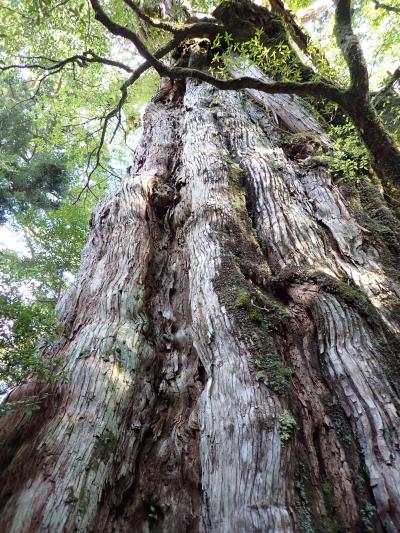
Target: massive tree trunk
{"points": [[228, 344]]}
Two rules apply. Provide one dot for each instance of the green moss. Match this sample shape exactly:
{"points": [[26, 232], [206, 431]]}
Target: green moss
{"points": [[103, 449], [302, 143], [257, 317], [332, 521], [341, 424], [374, 214], [243, 300], [256, 325], [327, 491], [269, 368], [236, 172], [241, 288], [242, 19], [266, 313], [71, 498], [85, 353], [354, 458], [368, 516], [272, 372], [303, 512]]}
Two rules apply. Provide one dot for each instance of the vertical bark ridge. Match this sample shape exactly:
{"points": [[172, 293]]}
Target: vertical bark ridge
{"points": [[243, 468], [164, 491], [76, 448]]}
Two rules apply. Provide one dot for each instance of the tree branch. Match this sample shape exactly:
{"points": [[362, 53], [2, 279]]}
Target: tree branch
{"points": [[116, 111], [311, 88], [195, 29], [387, 88], [156, 23], [386, 6], [321, 89], [298, 34], [79, 59], [351, 49]]}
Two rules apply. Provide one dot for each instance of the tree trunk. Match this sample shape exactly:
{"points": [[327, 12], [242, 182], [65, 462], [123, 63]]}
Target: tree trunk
{"points": [[228, 345]]}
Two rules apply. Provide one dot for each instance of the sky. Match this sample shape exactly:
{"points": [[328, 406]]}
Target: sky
{"points": [[12, 240]]}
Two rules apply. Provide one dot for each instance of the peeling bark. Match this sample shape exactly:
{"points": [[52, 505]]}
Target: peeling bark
{"points": [[227, 344]]}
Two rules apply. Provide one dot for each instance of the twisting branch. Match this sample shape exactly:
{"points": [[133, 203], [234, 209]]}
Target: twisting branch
{"points": [[151, 21], [323, 89], [126, 33], [395, 77], [351, 50], [79, 59], [310, 88], [386, 6], [197, 29], [355, 101]]}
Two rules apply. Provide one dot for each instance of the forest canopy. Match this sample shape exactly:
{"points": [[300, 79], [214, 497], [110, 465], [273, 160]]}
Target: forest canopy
{"points": [[74, 80]]}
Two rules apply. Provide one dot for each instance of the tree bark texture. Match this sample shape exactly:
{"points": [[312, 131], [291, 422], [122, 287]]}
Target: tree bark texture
{"points": [[228, 345]]}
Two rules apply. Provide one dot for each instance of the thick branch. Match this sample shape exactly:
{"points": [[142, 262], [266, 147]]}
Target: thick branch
{"points": [[126, 33], [198, 29], [319, 89], [298, 35], [351, 49]]}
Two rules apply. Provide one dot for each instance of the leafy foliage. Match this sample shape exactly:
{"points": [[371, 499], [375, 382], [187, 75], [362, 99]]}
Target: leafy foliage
{"points": [[26, 177], [350, 160], [30, 286]]}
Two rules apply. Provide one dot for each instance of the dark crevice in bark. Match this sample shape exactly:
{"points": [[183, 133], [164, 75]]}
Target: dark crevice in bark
{"points": [[164, 494], [327, 430]]}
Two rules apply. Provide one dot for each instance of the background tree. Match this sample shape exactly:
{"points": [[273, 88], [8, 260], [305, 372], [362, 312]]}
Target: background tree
{"points": [[31, 285]]}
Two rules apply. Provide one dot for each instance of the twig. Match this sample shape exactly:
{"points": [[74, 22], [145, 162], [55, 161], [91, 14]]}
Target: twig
{"points": [[386, 6]]}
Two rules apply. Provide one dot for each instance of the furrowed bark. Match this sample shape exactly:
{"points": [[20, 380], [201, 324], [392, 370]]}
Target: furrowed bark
{"points": [[227, 344]]}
